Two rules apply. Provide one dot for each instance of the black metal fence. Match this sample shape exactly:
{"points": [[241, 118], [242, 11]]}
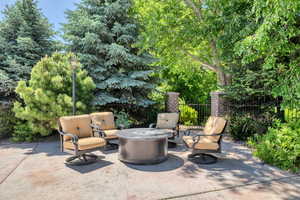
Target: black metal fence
{"points": [[255, 107], [194, 114]]}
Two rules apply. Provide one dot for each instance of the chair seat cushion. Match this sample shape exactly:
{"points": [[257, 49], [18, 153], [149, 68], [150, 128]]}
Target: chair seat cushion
{"points": [[203, 144], [111, 134], [86, 143]]}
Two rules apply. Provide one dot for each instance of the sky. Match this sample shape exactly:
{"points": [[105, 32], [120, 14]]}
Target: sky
{"points": [[52, 9]]}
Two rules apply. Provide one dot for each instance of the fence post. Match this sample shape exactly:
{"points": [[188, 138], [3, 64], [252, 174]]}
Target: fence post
{"points": [[172, 102], [218, 106]]}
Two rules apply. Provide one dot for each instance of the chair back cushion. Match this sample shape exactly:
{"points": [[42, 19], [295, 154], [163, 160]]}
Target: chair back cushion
{"points": [[214, 125], [167, 120], [78, 125], [105, 120]]}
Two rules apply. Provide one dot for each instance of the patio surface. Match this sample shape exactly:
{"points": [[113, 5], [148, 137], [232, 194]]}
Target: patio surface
{"points": [[36, 171]]}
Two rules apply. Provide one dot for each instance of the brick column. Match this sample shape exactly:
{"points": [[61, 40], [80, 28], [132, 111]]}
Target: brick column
{"points": [[218, 107], [172, 102]]}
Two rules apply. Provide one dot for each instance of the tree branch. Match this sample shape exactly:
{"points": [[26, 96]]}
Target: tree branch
{"points": [[203, 64], [197, 11]]}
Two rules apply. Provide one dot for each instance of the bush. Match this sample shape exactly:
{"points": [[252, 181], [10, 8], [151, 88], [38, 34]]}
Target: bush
{"points": [[291, 114], [242, 126], [7, 121], [123, 119], [280, 146], [23, 132], [48, 96], [188, 115]]}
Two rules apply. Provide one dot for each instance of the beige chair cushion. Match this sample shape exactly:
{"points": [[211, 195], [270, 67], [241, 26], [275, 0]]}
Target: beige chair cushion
{"points": [[78, 125], [86, 143], [167, 120], [214, 125], [105, 120], [203, 144], [111, 134]]}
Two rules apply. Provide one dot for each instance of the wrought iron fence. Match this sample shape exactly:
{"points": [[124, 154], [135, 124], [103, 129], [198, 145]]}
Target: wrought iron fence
{"points": [[259, 106], [256, 107], [194, 114]]}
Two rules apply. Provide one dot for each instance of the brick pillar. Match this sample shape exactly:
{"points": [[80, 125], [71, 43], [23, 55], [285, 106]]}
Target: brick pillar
{"points": [[218, 107], [172, 102]]}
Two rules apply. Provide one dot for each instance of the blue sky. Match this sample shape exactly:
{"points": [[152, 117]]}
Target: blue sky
{"points": [[52, 9]]}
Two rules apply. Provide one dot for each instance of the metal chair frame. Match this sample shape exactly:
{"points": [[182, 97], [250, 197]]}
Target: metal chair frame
{"points": [[84, 156], [203, 156], [101, 132], [171, 140]]}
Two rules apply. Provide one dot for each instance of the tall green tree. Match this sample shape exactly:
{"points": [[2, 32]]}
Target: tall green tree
{"points": [[202, 31], [25, 37], [275, 45], [103, 35]]}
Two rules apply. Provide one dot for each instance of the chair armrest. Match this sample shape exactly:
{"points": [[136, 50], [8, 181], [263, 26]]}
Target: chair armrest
{"points": [[199, 135], [74, 138], [98, 130], [188, 132], [197, 128], [152, 125], [215, 134]]}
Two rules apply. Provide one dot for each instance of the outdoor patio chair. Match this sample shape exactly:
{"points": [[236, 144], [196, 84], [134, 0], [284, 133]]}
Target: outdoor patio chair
{"points": [[205, 141], [168, 121], [77, 137], [104, 123]]}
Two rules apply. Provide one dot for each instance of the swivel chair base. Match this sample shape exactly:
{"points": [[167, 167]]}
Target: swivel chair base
{"points": [[83, 159], [202, 158]]}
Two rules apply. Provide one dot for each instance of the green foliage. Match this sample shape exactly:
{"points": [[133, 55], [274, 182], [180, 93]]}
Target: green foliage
{"points": [[275, 45], [280, 146], [171, 29], [103, 35], [243, 125], [23, 132], [193, 83], [123, 119], [198, 33], [291, 114], [25, 37], [48, 96], [7, 121], [188, 115]]}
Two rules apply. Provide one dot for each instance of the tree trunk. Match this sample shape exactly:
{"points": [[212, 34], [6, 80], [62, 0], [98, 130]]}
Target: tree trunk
{"points": [[223, 78]]}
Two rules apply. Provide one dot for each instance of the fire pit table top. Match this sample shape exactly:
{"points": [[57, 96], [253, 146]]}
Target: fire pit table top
{"points": [[144, 133]]}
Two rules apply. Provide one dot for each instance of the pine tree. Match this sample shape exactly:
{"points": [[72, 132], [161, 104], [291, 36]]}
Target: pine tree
{"points": [[25, 37], [47, 96], [103, 35]]}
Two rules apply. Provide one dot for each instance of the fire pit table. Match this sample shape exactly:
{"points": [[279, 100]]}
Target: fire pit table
{"points": [[143, 145]]}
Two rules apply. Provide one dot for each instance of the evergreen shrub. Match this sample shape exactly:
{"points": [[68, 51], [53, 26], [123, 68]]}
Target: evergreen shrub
{"points": [[7, 121], [48, 96]]}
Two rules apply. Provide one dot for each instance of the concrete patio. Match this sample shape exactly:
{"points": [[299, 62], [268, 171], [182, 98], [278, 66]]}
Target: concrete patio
{"points": [[37, 171]]}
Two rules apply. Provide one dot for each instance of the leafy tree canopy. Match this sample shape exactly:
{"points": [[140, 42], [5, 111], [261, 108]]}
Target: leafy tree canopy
{"points": [[202, 31], [275, 44]]}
